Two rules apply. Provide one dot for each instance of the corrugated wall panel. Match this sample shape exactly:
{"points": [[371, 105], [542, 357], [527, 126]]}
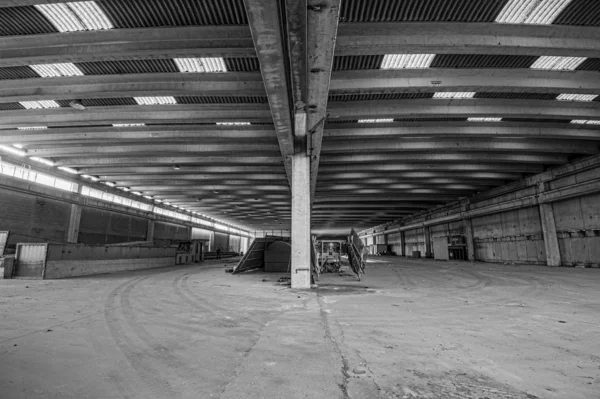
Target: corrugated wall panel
{"points": [[430, 119], [108, 102], [165, 234], [25, 20], [378, 96], [127, 67], [222, 100], [10, 106], [147, 13], [482, 61], [536, 120], [98, 227], [17, 72], [242, 64], [354, 62], [420, 10], [519, 96], [580, 12], [591, 64]]}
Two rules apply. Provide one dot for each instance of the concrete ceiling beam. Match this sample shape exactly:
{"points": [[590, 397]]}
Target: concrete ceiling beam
{"points": [[127, 44], [258, 149], [446, 157], [395, 167], [238, 160], [466, 38]]}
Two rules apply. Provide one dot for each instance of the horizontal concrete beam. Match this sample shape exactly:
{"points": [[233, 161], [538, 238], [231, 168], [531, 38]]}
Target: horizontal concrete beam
{"points": [[247, 159], [168, 170], [477, 80], [367, 174], [480, 107], [393, 167], [259, 149], [447, 157], [178, 113], [133, 85], [463, 129], [466, 38], [127, 44]]}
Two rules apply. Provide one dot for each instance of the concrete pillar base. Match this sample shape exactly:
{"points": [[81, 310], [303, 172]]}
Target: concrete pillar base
{"points": [[300, 222]]}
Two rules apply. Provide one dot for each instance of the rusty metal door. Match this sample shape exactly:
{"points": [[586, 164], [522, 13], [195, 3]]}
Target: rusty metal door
{"points": [[30, 260], [3, 241]]}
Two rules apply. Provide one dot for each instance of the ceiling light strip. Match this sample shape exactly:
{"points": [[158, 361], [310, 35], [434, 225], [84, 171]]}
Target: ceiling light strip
{"points": [[408, 61]]}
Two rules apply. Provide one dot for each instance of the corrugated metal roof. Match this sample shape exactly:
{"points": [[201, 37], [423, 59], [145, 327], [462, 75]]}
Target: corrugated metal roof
{"points": [[591, 64], [222, 100], [242, 64], [127, 66], [25, 20], [10, 106], [536, 120], [100, 102], [17, 72], [378, 96], [148, 13], [420, 10], [337, 121], [580, 12], [354, 62], [482, 61], [519, 96]]}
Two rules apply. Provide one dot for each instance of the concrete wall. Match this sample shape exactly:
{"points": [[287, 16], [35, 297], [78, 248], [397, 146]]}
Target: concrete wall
{"points": [[30, 218], [165, 234], [98, 227], [507, 223], [221, 241]]}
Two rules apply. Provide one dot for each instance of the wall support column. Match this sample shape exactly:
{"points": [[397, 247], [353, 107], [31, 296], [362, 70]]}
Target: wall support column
{"points": [[402, 244], [550, 238], [301, 221], [428, 253], [150, 231], [468, 228], [74, 220]]}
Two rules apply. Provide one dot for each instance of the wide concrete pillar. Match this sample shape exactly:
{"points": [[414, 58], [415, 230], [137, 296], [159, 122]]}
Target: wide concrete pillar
{"points": [[428, 253], [468, 229], [402, 243], [550, 237], [150, 231], [74, 220], [301, 221]]}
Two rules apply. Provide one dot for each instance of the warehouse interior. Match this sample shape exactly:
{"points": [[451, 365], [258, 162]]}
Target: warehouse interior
{"points": [[299, 198]]}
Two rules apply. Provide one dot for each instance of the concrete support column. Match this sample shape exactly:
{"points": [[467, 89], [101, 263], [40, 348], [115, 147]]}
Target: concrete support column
{"points": [[468, 228], [150, 231], [301, 221], [550, 238], [74, 220], [402, 244], [428, 253]]}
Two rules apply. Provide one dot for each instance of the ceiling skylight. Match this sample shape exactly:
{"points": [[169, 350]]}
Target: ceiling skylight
{"points": [[577, 97], [233, 123], [75, 16], [215, 64], [585, 122], [128, 124], [92, 178], [450, 94], [42, 160], [484, 119], [531, 11], [155, 100], [39, 104], [401, 61], [56, 70], [384, 120], [68, 170], [558, 63], [32, 127], [13, 150]]}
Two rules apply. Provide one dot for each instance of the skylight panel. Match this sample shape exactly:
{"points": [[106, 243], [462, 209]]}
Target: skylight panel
{"points": [[92, 178], [402, 61], [75, 16], [13, 150], [39, 104], [585, 122], [542, 12], [450, 94], [155, 100], [577, 97], [56, 70], [233, 123], [32, 128], [558, 63], [484, 119], [128, 124], [212, 64], [68, 170], [383, 120], [42, 160]]}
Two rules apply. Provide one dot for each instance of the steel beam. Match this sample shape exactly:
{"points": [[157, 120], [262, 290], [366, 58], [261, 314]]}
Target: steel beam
{"points": [[466, 38], [127, 44], [231, 84], [456, 80]]}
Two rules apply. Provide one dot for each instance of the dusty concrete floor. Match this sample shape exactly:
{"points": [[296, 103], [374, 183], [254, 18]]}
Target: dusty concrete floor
{"points": [[410, 329]]}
